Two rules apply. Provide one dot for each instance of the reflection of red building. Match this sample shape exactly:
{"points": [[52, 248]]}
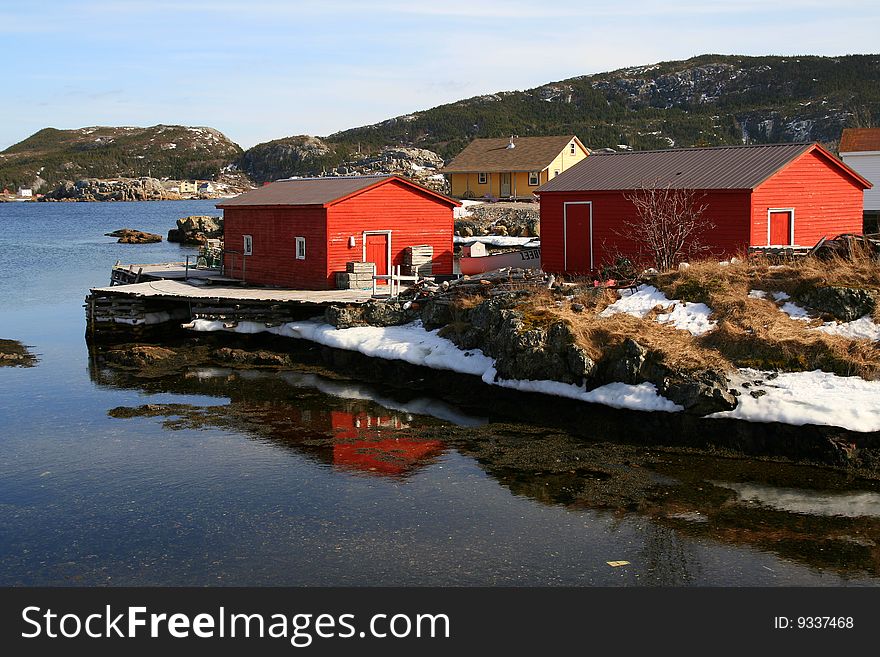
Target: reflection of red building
{"points": [[367, 443], [361, 442]]}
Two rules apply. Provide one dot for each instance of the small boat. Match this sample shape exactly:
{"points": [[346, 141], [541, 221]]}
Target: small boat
{"points": [[476, 260]]}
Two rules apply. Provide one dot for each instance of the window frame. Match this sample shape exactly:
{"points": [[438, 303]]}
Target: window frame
{"points": [[247, 247], [300, 241], [482, 178], [536, 176], [572, 150]]}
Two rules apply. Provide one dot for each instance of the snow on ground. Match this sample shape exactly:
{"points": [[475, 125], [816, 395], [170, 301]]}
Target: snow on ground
{"points": [[757, 294], [496, 240], [464, 210], [413, 344], [692, 317], [810, 398], [861, 328]]}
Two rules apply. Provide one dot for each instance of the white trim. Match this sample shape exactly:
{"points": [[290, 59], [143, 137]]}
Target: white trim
{"points": [[537, 177], [565, 205], [364, 247], [297, 241], [247, 248], [790, 228], [482, 178]]}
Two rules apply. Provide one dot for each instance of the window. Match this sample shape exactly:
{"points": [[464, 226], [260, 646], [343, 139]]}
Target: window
{"points": [[482, 178], [571, 147], [248, 244], [534, 178], [555, 173], [300, 248]]}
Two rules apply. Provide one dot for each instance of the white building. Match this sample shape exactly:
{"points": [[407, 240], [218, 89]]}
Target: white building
{"points": [[860, 149]]}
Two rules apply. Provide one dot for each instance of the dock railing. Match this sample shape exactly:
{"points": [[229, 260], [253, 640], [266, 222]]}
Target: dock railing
{"points": [[394, 278]]}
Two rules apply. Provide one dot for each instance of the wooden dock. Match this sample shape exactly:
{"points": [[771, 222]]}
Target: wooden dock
{"points": [[163, 305]]}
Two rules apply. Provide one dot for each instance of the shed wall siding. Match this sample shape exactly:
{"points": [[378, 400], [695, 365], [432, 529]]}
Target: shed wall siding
{"points": [[412, 217], [274, 261], [729, 211], [826, 202]]}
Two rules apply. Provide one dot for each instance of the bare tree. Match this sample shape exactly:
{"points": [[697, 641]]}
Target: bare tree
{"points": [[669, 223]]}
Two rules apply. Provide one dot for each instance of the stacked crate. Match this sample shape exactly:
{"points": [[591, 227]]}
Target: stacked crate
{"points": [[357, 276], [418, 260]]}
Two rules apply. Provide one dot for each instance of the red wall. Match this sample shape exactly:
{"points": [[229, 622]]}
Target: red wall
{"points": [[729, 211], [826, 201], [412, 216], [274, 248]]}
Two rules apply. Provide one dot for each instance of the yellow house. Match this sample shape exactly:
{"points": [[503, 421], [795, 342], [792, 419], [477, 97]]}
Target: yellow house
{"points": [[511, 168], [189, 187]]}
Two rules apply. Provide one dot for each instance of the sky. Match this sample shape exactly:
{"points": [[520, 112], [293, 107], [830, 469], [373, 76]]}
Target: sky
{"points": [[264, 69]]}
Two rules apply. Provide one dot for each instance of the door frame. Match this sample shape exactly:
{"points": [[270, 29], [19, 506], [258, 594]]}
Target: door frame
{"points": [[565, 205], [387, 233], [790, 225]]}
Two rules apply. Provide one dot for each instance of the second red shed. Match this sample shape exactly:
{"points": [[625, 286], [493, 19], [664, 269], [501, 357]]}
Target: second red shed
{"points": [[766, 195], [299, 233]]}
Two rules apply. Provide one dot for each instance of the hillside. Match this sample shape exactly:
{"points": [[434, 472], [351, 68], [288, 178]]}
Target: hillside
{"points": [[706, 100], [49, 156]]}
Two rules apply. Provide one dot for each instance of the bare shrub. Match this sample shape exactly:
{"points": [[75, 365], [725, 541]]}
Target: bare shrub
{"points": [[669, 224]]}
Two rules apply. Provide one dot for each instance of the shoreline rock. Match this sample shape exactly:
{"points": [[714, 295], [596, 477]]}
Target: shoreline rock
{"points": [[131, 236]]}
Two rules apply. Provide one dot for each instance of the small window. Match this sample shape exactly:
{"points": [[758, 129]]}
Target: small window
{"points": [[555, 173], [534, 178], [248, 244], [300, 248], [572, 148], [482, 178]]}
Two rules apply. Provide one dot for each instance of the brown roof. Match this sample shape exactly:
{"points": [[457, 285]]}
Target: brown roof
{"points": [[318, 191], [725, 167], [854, 140], [492, 155]]}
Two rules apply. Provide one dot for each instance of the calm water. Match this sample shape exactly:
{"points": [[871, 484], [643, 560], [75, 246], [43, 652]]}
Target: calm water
{"points": [[294, 478]]}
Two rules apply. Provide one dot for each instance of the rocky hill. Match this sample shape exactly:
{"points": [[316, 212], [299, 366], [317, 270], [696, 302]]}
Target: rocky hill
{"points": [[706, 100], [304, 155], [50, 156]]}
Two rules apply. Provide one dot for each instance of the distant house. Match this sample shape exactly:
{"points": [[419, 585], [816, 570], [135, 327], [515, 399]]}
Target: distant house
{"points": [[860, 149], [25, 193], [206, 187], [299, 233], [780, 195], [188, 187], [511, 168]]}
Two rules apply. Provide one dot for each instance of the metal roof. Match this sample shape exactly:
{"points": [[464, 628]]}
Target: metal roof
{"points": [[855, 140], [724, 167], [317, 191], [493, 155]]}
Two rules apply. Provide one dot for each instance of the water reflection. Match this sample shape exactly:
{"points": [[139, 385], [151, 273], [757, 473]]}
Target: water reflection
{"points": [[813, 516]]}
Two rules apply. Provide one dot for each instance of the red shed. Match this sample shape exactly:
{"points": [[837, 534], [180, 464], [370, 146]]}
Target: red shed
{"points": [[298, 233], [777, 194]]}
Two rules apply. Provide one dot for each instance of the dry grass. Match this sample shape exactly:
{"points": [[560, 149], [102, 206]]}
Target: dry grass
{"points": [[599, 336], [755, 333]]}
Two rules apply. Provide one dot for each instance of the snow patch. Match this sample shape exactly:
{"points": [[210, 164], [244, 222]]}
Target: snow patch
{"points": [[863, 328], [684, 315], [810, 398]]}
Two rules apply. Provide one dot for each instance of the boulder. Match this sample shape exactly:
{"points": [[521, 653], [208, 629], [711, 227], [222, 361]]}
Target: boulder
{"points": [[843, 303]]}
